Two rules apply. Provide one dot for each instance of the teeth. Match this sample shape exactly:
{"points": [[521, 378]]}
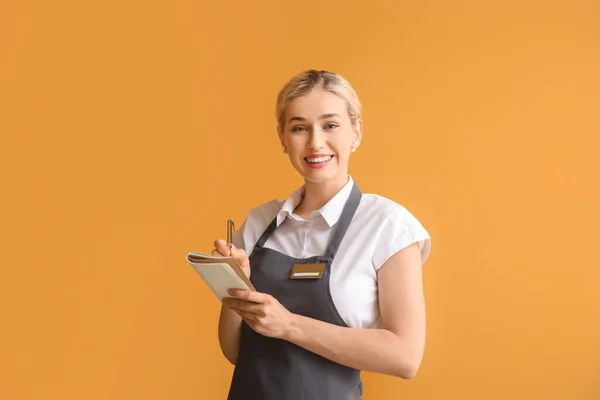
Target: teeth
{"points": [[319, 159]]}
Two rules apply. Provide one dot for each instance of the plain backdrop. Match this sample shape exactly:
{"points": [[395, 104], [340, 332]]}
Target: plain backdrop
{"points": [[132, 130]]}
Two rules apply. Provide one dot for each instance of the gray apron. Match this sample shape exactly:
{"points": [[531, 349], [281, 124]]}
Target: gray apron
{"points": [[275, 369]]}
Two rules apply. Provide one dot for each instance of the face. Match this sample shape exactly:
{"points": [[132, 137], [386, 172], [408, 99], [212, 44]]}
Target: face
{"points": [[318, 136]]}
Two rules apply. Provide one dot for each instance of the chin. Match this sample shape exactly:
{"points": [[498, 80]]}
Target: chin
{"points": [[320, 176]]}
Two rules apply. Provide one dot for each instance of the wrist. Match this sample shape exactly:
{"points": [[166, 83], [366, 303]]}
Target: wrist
{"points": [[293, 331]]}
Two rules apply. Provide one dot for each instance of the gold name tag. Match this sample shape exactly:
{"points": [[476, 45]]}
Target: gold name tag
{"points": [[307, 271]]}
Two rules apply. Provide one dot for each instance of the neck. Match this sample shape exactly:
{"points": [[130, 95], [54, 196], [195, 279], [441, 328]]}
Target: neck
{"points": [[317, 194]]}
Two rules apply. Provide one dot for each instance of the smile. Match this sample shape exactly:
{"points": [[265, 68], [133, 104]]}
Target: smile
{"points": [[316, 160], [319, 161]]}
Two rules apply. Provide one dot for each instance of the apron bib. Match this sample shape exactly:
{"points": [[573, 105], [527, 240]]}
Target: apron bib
{"points": [[274, 369]]}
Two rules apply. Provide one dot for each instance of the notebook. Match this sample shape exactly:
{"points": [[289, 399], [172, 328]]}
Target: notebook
{"points": [[219, 273]]}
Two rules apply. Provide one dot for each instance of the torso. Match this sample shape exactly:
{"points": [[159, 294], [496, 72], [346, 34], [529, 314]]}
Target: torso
{"points": [[380, 228]]}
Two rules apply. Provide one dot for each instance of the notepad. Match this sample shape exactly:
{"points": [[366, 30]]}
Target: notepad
{"points": [[219, 273]]}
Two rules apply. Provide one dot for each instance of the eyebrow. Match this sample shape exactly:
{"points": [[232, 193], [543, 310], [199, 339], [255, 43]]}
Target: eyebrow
{"points": [[324, 116]]}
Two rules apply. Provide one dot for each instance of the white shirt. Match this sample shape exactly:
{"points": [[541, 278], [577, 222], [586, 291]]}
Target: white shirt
{"points": [[379, 229]]}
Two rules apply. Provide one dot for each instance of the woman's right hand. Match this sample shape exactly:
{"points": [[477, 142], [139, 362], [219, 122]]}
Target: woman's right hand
{"points": [[221, 249]]}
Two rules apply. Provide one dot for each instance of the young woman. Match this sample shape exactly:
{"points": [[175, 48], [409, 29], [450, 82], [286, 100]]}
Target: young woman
{"points": [[337, 272]]}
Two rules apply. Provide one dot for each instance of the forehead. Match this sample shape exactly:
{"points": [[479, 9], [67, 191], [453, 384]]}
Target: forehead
{"points": [[315, 104]]}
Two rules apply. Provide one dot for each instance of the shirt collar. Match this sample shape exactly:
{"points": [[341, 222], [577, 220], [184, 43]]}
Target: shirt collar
{"points": [[331, 211]]}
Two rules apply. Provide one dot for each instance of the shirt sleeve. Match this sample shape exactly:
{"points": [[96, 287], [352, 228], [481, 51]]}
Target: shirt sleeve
{"points": [[238, 237], [399, 230], [254, 225]]}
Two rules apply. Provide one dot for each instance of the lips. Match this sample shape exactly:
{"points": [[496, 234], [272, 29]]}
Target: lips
{"points": [[318, 160]]}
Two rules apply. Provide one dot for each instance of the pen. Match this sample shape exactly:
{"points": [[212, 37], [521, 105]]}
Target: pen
{"points": [[230, 232]]}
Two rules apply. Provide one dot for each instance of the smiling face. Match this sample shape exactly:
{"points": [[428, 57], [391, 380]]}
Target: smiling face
{"points": [[319, 136]]}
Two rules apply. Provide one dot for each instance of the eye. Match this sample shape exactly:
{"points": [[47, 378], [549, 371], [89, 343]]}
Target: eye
{"points": [[331, 125], [298, 128]]}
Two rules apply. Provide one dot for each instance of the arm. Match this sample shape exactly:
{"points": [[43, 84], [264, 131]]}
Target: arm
{"points": [[230, 325], [395, 349]]}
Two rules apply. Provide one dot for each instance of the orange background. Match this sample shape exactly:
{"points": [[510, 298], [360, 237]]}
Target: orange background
{"points": [[130, 132]]}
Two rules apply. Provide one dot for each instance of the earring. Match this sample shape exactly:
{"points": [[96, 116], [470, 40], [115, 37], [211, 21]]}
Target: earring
{"points": [[283, 148]]}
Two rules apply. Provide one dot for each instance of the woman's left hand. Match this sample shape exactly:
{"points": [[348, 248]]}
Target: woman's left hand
{"points": [[261, 311]]}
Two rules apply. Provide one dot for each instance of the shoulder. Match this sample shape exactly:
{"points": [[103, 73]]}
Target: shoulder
{"points": [[382, 208], [255, 223], [393, 225], [264, 211]]}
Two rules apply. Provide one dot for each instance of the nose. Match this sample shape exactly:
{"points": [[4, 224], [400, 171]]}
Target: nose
{"points": [[317, 140]]}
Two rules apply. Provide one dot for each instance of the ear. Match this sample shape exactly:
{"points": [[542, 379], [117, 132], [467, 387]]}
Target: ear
{"points": [[282, 140], [357, 129]]}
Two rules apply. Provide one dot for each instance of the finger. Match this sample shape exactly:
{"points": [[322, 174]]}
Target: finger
{"points": [[221, 247], [217, 253], [249, 295], [243, 305], [246, 316], [240, 256], [251, 324]]}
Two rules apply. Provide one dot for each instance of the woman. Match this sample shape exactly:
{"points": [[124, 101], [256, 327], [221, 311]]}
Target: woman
{"points": [[337, 273]]}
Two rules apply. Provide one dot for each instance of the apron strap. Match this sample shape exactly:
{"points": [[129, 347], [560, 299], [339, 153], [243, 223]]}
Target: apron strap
{"points": [[344, 221], [266, 234], [340, 230]]}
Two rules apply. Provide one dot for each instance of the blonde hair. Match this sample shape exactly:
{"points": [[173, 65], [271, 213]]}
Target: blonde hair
{"points": [[310, 80]]}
